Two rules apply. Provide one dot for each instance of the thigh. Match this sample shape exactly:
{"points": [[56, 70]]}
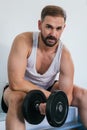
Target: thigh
{"points": [[79, 100], [79, 96]]}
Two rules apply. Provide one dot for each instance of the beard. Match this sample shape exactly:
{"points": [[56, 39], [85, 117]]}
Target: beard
{"points": [[49, 41]]}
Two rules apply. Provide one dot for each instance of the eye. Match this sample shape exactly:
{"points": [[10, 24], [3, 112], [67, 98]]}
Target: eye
{"points": [[48, 26], [59, 28]]}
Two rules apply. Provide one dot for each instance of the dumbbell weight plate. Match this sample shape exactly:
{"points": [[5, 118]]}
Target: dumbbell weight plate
{"points": [[57, 108], [31, 114]]}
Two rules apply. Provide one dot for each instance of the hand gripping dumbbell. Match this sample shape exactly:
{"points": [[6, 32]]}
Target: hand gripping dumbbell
{"points": [[56, 107]]}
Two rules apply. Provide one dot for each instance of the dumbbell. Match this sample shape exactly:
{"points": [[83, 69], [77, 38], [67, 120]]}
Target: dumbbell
{"points": [[56, 107]]}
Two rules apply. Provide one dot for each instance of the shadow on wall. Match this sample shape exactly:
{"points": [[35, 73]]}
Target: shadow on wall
{"points": [[4, 52]]}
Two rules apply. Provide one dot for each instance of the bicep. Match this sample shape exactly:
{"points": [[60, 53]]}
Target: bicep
{"points": [[17, 63]]}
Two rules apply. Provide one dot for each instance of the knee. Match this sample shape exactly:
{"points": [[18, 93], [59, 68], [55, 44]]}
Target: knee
{"points": [[16, 99], [79, 96]]}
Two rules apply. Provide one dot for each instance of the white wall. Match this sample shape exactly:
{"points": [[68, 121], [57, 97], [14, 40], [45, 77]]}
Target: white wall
{"points": [[17, 16]]}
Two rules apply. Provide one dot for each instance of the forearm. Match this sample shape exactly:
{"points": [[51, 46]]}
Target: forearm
{"points": [[26, 86], [68, 89]]}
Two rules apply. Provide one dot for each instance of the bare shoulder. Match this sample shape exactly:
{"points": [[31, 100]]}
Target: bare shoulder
{"points": [[25, 38], [66, 55], [66, 59], [23, 42]]}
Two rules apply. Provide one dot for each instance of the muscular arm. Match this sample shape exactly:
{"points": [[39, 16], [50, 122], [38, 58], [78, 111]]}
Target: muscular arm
{"points": [[17, 62], [66, 74]]}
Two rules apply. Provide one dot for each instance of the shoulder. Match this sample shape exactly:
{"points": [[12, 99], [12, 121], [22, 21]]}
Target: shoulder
{"points": [[26, 37], [66, 58], [23, 42], [65, 53]]}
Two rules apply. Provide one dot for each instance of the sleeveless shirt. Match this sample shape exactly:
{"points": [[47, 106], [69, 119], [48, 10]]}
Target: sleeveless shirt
{"points": [[47, 79]]}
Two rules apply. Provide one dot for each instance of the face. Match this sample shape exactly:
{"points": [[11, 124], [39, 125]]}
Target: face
{"points": [[51, 29]]}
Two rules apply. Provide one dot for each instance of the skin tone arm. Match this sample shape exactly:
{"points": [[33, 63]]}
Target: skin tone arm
{"points": [[17, 62], [66, 75]]}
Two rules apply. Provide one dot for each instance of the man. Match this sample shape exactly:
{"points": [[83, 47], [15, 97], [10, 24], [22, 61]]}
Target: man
{"points": [[34, 62]]}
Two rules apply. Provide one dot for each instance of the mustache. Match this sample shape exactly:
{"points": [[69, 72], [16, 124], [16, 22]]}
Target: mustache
{"points": [[51, 37]]}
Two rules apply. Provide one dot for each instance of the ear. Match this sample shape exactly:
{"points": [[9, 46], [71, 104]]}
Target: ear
{"points": [[64, 25], [39, 24]]}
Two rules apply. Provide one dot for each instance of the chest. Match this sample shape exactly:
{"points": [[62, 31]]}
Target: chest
{"points": [[43, 61]]}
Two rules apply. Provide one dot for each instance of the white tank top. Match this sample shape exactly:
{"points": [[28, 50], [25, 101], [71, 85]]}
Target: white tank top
{"points": [[47, 79]]}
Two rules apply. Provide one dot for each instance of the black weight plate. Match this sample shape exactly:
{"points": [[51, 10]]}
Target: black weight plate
{"points": [[57, 108], [31, 114]]}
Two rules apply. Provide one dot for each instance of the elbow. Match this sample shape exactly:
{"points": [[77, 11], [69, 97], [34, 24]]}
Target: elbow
{"points": [[14, 85]]}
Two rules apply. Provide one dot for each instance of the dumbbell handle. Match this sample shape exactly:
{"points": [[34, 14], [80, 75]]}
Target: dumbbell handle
{"points": [[59, 106], [37, 106]]}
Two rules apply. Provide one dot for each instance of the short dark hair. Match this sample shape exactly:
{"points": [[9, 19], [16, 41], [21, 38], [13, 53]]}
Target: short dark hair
{"points": [[52, 10]]}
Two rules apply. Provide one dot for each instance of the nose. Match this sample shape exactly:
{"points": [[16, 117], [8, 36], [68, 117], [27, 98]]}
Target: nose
{"points": [[53, 32]]}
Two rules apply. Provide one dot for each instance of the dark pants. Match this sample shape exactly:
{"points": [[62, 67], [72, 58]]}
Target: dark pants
{"points": [[3, 105]]}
